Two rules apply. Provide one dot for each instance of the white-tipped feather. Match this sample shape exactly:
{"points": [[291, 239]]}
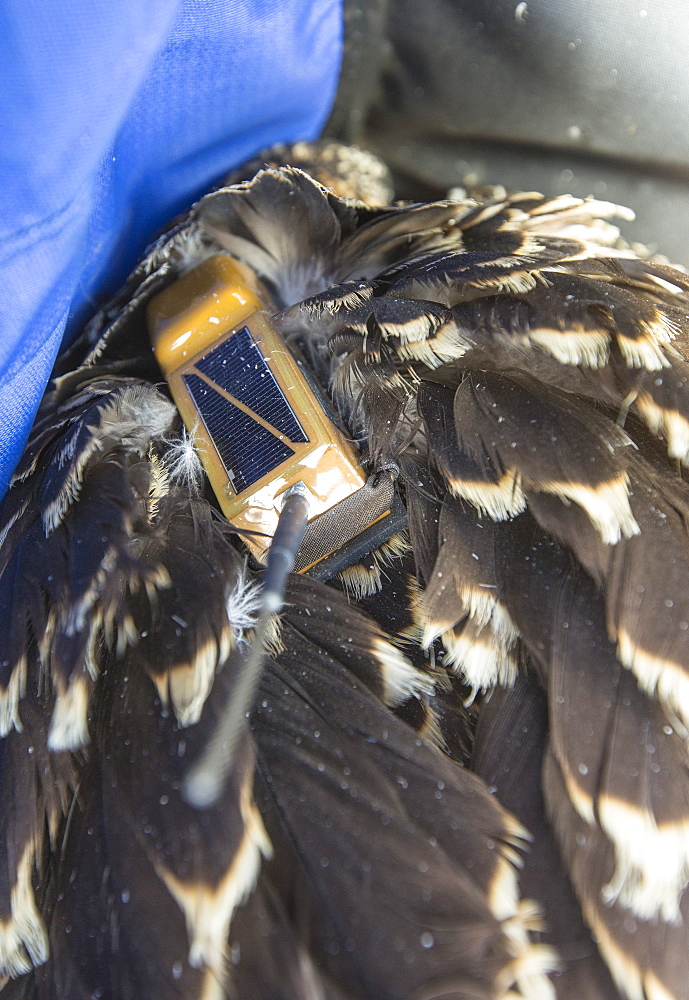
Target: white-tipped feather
{"points": [[645, 353], [10, 698], [483, 652], [670, 423], [662, 679], [482, 658], [190, 684], [446, 344], [69, 728], [187, 685], [589, 348], [499, 501], [401, 679], [651, 862], [23, 938], [606, 505], [208, 910]]}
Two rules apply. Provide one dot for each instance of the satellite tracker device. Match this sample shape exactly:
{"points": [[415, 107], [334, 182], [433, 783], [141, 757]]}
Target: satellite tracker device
{"points": [[259, 422]]}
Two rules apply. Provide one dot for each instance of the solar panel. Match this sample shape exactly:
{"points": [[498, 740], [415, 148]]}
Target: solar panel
{"points": [[247, 448], [238, 366]]}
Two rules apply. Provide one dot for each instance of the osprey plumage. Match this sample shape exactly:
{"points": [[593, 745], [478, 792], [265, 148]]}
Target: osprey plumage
{"points": [[525, 379]]}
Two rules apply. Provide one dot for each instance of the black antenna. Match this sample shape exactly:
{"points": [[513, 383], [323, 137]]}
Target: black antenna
{"points": [[204, 782]]}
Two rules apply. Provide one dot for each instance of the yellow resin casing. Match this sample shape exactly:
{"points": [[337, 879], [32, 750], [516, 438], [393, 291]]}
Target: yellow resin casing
{"points": [[191, 323]]}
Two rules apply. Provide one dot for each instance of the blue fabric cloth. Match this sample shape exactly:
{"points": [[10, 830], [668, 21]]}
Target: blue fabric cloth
{"points": [[116, 114]]}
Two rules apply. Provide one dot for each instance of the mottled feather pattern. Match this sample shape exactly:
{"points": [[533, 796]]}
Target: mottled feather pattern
{"points": [[525, 375]]}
